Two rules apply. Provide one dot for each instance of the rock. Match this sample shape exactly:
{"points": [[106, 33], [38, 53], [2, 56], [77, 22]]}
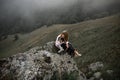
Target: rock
{"points": [[50, 46], [96, 66], [109, 71], [92, 78], [101, 79], [97, 75], [39, 64]]}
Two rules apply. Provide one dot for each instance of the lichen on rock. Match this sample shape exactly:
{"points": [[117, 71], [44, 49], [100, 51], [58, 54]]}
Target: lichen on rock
{"points": [[39, 63]]}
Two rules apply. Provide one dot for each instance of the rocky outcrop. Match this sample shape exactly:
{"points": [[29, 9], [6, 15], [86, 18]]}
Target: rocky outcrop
{"points": [[96, 66], [97, 71], [40, 63]]}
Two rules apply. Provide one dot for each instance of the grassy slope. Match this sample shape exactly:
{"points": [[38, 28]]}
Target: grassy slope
{"points": [[97, 40]]}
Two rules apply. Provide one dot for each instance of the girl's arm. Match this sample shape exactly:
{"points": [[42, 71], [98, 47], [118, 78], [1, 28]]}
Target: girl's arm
{"points": [[67, 46], [57, 39]]}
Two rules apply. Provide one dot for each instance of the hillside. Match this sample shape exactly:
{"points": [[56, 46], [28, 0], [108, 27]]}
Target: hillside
{"points": [[96, 40]]}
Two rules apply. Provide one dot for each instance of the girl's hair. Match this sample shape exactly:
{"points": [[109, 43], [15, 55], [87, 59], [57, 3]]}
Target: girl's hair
{"points": [[65, 33]]}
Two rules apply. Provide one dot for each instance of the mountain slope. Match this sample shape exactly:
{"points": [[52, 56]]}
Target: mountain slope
{"points": [[84, 32], [96, 40]]}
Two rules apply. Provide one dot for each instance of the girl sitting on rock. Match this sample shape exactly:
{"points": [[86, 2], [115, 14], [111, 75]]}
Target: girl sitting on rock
{"points": [[63, 44]]}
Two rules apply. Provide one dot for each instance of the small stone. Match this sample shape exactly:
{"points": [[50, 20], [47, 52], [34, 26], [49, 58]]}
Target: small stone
{"points": [[96, 66], [101, 79], [92, 78], [109, 71], [97, 75]]}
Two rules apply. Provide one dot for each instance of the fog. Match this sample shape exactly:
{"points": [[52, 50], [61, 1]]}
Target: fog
{"points": [[26, 15], [28, 7], [97, 4]]}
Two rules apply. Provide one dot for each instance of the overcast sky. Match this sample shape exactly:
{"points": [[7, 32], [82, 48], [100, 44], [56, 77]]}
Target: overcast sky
{"points": [[28, 7]]}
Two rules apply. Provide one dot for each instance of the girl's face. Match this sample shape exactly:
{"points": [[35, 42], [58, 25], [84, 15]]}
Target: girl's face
{"points": [[62, 35]]}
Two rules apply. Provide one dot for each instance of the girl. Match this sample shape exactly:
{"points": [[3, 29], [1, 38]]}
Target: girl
{"points": [[58, 42], [63, 44]]}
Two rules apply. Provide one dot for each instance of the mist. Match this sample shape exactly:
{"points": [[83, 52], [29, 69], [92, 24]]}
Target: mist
{"points": [[89, 5], [19, 15], [29, 7]]}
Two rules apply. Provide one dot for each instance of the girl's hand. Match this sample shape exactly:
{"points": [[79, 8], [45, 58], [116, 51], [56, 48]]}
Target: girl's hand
{"points": [[67, 45]]}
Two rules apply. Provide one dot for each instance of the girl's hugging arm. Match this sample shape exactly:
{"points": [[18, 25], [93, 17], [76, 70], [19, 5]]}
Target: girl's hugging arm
{"points": [[67, 46], [58, 37]]}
